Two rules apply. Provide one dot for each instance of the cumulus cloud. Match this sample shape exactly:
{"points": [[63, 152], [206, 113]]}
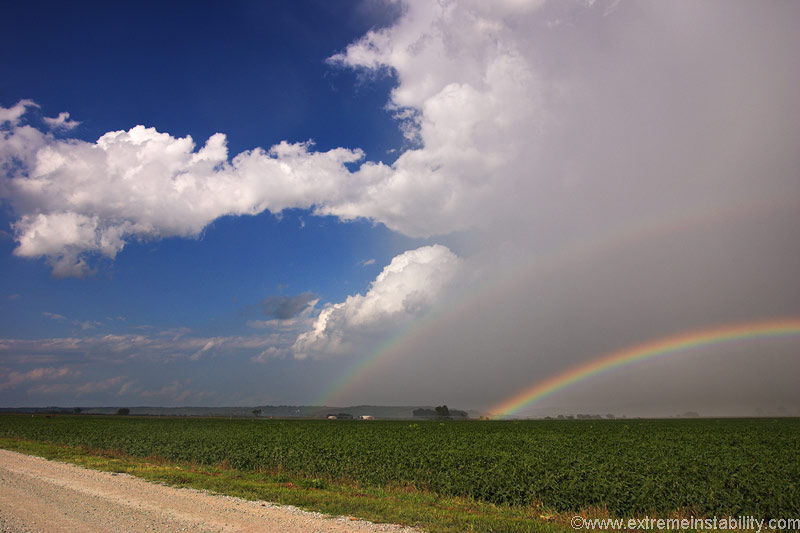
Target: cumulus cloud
{"points": [[405, 289], [11, 116], [61, 122], [76, 198], [470, 98], [286, 307]]}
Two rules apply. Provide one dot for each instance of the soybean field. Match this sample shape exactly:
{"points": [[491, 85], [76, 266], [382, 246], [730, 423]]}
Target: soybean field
{"points": [[629, 467]]}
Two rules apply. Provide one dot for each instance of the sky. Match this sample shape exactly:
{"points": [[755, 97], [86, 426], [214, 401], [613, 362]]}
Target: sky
{"points": [[398, 203]]}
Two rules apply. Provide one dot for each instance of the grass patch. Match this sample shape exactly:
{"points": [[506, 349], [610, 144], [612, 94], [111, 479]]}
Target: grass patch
{"points": [[399, 505]]}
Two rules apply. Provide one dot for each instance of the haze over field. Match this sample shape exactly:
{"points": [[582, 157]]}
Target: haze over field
{"points": [[399, 203]]}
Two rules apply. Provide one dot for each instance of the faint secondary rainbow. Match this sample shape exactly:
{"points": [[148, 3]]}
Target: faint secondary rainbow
{"points": [[679, 343], [408, 337]]}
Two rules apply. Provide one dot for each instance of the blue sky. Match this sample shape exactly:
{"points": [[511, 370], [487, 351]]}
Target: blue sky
{"points": [[574, 177], [256, 73]]}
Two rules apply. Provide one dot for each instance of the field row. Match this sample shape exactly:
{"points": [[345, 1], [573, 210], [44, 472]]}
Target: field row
{"points": [[631, 467]]}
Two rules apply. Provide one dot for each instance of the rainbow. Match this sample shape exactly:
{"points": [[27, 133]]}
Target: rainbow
{"points": [[332, 394], [413, 336], [406, 339], [682, 342]]}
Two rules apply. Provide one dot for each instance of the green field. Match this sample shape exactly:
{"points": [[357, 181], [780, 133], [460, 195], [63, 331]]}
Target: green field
{"points": [[625, 467]]}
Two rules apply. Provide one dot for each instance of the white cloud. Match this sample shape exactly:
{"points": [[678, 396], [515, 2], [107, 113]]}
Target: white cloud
{"points": [[14, 379], [469, 95], [76, 198], [86, 324], [15, 112], [272, 352], [83, 324], [405, 289], [61, 122], [163, 346]]}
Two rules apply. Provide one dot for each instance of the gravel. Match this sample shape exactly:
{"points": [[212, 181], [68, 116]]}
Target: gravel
{"points": [[41, 495]]}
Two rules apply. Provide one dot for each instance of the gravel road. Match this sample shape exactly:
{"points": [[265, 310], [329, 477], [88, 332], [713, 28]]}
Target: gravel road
{"points": [[41, 495]]}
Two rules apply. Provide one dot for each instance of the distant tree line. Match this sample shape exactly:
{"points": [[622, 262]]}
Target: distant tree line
{"points": [[581, 417], [441, 411]]}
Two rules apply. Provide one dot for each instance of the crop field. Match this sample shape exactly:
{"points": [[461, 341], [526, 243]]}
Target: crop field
{"points": [[629, 467]]}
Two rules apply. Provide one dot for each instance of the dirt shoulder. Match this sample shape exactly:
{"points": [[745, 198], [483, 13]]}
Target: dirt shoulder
{"points": [[41, 495]]}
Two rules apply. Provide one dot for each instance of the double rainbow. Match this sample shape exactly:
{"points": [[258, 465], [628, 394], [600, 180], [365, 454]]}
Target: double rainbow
{"points": [[417, 334]]}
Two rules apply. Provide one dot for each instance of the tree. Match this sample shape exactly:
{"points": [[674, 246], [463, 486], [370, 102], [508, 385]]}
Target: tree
{"points": [[77, 410], [256, 412], [443, 411], [123, 411]]}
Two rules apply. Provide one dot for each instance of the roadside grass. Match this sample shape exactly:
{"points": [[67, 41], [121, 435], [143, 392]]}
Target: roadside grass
{"points": [[399, 504]]}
